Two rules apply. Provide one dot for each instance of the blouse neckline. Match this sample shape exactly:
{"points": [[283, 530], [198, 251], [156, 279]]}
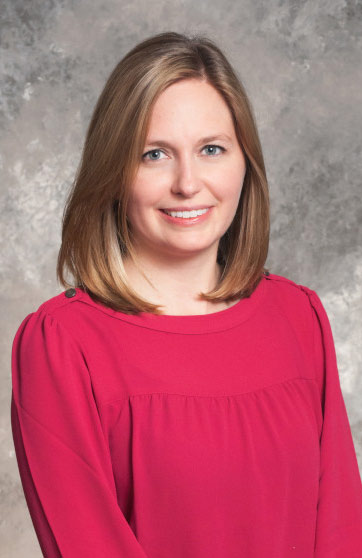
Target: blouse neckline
{"points": [[188, 324]]}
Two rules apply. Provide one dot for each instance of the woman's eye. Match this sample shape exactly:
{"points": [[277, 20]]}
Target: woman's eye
{"points": [[151, 152], [213, 147]]}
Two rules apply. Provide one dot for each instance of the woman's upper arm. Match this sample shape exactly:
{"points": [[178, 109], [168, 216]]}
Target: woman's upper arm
{"points": [[62, 453]]}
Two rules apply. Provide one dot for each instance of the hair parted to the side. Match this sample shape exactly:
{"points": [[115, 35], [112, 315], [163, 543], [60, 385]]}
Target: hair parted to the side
{"points": [[95, 231]]}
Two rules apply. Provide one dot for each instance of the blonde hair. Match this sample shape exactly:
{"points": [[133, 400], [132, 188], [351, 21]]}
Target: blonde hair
{"points": [[95, 231]]}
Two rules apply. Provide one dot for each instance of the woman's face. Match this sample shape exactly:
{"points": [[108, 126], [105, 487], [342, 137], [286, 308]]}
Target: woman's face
{"points": [[182, 169]]}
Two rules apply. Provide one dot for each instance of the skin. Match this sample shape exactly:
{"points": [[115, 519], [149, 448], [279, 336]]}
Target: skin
{"points": [[181, 261]]}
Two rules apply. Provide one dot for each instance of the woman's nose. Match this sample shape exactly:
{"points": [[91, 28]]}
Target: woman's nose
{"points": [[187, 178]]}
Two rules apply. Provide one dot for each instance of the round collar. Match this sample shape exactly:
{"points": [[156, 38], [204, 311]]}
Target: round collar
{"points": [[188, 324]]}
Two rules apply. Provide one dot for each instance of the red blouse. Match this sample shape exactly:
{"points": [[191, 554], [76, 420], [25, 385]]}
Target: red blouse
{"points": [[204, 436]]}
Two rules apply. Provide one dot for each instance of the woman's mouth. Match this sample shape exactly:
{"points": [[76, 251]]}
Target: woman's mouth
{"points": [[186, 217]]}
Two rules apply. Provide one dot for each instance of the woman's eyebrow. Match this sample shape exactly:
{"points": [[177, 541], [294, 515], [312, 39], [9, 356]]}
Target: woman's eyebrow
{"points": [[207, 139]]}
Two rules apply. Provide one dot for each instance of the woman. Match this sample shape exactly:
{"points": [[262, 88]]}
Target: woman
{"points": [[215, 426]]}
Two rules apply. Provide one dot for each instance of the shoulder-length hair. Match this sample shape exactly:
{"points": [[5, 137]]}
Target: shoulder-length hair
{"points": [[95, 231]]}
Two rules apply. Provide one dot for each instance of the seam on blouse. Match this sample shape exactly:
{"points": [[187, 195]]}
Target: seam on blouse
{"points": [[52, 434], [171, 332], [131, 396], [314, 312], [78, 344], [57, 301], [257, 308], [95, 473]]}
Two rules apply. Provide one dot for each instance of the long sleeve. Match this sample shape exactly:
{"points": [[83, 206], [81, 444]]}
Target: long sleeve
{"points": [[339, 512], [62, 454]]}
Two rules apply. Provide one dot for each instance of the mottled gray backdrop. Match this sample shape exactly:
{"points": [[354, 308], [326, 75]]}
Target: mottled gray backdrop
{"points": [[301, 64]]}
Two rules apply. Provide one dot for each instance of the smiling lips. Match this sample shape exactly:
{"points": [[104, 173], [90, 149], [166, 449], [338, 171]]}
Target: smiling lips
{"points": [[186, 214], [187, 217]]}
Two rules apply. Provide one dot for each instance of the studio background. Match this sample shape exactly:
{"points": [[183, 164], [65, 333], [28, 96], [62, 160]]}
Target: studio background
{"points": [[301, 65]]}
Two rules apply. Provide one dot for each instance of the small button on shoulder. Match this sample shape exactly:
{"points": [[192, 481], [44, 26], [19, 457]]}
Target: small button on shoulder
{"points": [[266, 273], [69, 293]]}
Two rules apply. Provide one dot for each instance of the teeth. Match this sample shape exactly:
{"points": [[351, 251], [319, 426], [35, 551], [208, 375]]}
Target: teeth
{"points": [[187, 214]]}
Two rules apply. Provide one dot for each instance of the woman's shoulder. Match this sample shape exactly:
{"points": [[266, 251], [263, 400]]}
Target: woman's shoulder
{"points": [[290, 296], [58, 310], [58, 306], [289, 286], [65, 298]]}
